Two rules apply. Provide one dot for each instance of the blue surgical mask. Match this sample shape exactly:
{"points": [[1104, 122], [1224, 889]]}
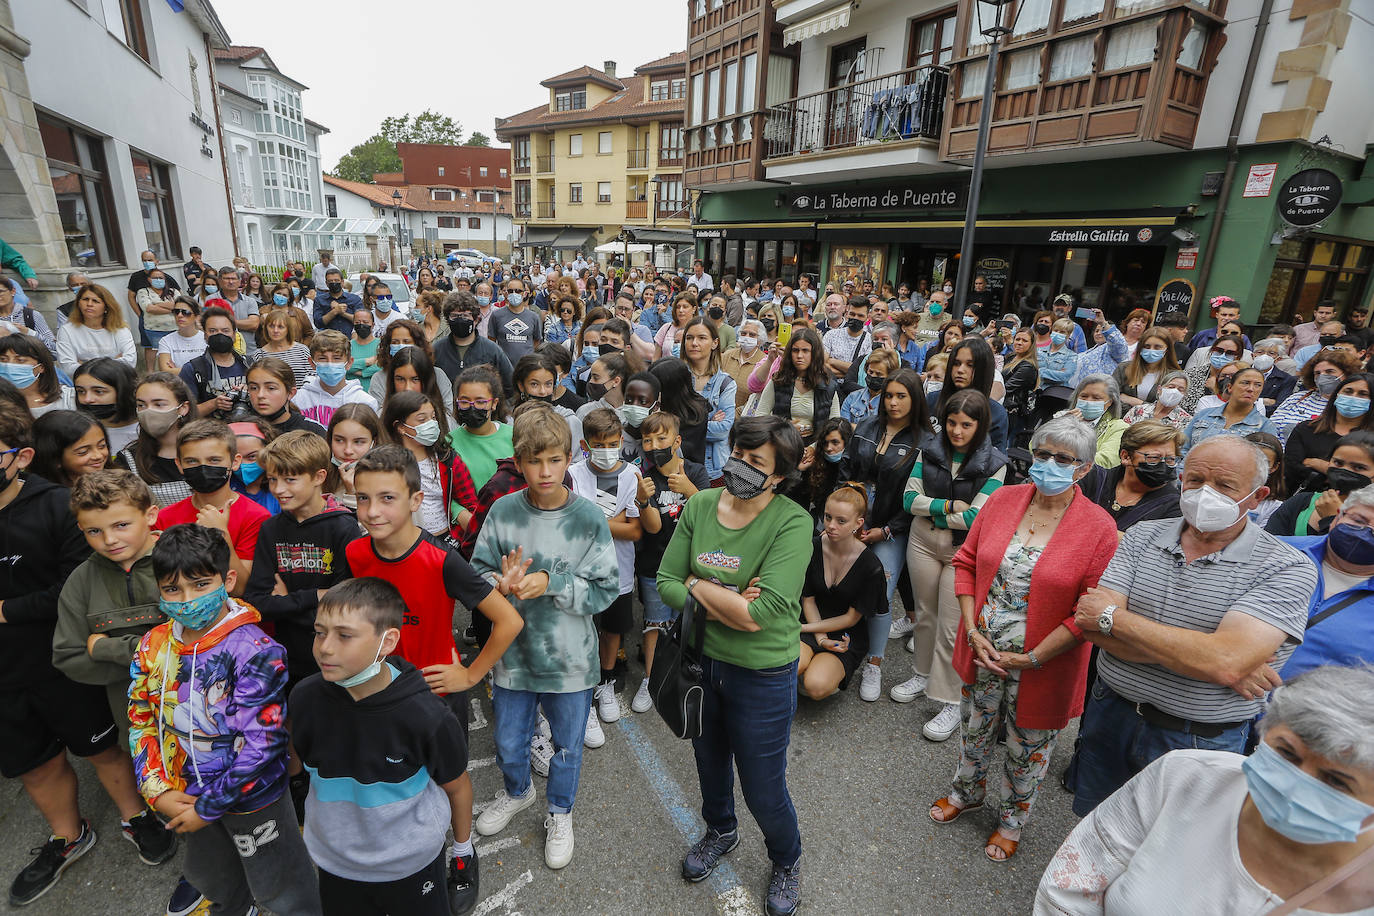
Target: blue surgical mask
{"points": [[397, 348], [157, 282], [591, 352], [1300, 807], [198, 613], [1091, 410], [970, 320], [248, 472], [384, 303], [368, 673], [677, 348], [417, 316], [331, 373], [1220, 360], [513, 298], [1057, 338], [834, 457], [211, 289], [149, 265], [1051, 478], [75, 290], [788, 311], [22, 375], [280, 299], [1350, 406], [484, 301], [1151, 356], [1352, 543]]}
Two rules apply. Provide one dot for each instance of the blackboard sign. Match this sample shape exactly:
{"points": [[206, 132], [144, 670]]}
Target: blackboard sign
{"points": [[1175, 296], [1309, 197]]}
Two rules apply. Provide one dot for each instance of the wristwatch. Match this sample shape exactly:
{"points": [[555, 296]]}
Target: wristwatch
{"points": [[1104, 620]]}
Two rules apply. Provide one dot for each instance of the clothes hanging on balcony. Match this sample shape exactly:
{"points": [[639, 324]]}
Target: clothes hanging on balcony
{"points": [[903, 112]]}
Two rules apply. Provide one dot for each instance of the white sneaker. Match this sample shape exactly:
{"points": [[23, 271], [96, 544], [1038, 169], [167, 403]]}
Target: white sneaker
{"points": [[909, 690], [606, 702], [594, 736], [943, 724], [872, 684], [911, 644], [642, 701], [541, 755], [498, 814], [558, 840], [901, 626], [544, 728]]}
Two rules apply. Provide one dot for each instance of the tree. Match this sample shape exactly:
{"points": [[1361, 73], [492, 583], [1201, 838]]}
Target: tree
{"points": [[478, 139], [426, 127], [378, 152], [375, 154]]}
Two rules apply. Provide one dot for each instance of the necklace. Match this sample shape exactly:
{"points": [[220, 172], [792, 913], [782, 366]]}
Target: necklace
{"points": [[1036, 524]]}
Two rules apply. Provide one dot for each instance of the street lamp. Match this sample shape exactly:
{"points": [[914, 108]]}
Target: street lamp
{"points": [[653, 246], [990, 16], [396, 211]]}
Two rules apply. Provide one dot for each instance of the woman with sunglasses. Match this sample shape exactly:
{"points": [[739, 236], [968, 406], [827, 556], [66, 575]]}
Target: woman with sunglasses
{"points": [[1202, 377], [187, 342], [1144, 486], [564, 321], [1308, 450]]}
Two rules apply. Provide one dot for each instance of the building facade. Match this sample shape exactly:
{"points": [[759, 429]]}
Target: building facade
{"points": [[433, 219], [600, 161], [834, 139], [111, 143]]}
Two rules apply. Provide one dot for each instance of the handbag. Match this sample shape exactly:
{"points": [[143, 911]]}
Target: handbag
{"points": [[675, 683]]}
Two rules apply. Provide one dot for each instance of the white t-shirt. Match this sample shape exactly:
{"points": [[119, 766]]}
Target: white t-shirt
{"points": [[433, 512], [182, 349], [702, 282], [626, 483]]}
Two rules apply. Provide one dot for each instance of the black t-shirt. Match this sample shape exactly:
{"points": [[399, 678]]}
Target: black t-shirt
{"points": [[864, 588], [650, 547], [569, 399]]}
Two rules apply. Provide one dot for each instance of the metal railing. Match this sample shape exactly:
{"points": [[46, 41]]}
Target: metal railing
{"points": [[898, 106], [637, 159], [522, 209], [522, 166], [544, 209], [670, 157], [543, 164]]}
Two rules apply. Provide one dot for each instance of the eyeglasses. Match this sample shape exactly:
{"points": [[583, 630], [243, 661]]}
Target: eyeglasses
{"points": [[480, 403], [1234, 354], [184, 313], [1170, 461], [1059, 458]]}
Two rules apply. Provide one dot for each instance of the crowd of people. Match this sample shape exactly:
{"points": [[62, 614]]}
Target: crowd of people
{"points": [[252, 575]]}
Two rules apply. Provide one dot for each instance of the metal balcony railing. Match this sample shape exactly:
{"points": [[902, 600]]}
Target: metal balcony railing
{"points": [[545, 209], [637, 159], [543, 164]]}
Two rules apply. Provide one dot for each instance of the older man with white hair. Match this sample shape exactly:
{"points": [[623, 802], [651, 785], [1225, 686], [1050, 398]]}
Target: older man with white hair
{"points": [[1194, 617]]}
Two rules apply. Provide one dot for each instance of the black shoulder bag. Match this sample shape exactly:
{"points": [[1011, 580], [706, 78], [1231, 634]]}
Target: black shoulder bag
{"points": [[675, 683]]}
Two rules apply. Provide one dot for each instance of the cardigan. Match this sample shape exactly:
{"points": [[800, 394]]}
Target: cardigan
{"points": [[1074, 559]]}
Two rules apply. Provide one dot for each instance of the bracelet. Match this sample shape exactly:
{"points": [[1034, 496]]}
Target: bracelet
{"points": [[1035, 662]]}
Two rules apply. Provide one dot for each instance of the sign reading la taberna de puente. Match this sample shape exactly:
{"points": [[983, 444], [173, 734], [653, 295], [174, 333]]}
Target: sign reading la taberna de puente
{"points": [[850, 201]]}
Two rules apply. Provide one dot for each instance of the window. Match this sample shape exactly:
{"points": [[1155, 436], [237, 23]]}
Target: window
{"points": [[521, 150], [670, 197], [1131, 45], [713, 94], [971, 80], [474, 222], [1310, 270], [669, 144], [448, 222], [570, 99], [124, 19], [1125, 7], [575, 193], [81, 181], [331, 206], [658, 90], [932, 40], [1071, 59], [1032, 16], [847, 62], [441, 171], [748, 84], [505, 173], [1022, 69], [1076, 10], [731, 88], [679, 88], [603, 142], [440, 194], [574, 144], [153, 181], [482, 171], [781, 70], [1194, 43], [603, 192]]}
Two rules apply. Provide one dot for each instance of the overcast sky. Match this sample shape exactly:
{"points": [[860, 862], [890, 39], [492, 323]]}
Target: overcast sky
{"points": [[395, 56]]}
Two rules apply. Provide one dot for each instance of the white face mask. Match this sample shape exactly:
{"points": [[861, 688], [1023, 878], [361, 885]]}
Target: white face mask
{"points": [[747, 344], [1170, 397], [1208, 510], [1264, 362], [604, 457]]}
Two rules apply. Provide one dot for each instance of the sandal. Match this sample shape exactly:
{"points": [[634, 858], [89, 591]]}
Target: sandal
{"points": [[949, 810], [1008, 846]]}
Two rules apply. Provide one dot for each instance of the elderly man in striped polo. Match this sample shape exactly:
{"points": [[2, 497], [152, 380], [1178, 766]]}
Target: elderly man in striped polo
{"points": [[1194, 617]]}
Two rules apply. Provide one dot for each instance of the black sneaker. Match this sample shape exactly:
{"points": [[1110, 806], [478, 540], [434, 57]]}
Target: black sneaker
{"points": [[462, 884], [185, 899], [784, 891], [53, 858], [156, 844], [706, 853]]}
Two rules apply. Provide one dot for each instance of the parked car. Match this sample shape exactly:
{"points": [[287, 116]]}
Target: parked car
{"points": [[399, 285], [468, 257]]}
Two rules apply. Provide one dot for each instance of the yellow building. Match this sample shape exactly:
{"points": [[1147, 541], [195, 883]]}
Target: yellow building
{"points": [[601, 160]]}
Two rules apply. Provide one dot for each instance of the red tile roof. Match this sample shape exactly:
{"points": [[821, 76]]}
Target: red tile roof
{"points": [[237, 52], [627, 105], [417, 197], [675, 61], [583, 74]]}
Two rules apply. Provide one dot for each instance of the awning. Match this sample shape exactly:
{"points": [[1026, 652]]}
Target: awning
{"points": [[834, 18], [652, 236], [536, 236], [573, 239]]}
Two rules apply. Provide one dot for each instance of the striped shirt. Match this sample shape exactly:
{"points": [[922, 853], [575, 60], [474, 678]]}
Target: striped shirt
{"points": [[297, 356], [917, 502], [1256, 574]]}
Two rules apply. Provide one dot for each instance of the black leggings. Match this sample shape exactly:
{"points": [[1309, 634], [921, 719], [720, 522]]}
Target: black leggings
{"points": [[424, 893]]}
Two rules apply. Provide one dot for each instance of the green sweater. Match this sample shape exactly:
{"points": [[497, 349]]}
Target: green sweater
{"points": [[557, 651], [775, 547], [480, 453], [100, 597]]}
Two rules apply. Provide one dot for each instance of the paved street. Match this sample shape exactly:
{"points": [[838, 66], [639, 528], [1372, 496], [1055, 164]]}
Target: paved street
{"points": [[860, 774]]}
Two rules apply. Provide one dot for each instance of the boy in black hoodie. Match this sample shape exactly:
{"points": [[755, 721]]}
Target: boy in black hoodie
{"points": [[391, 754], [43, 713]]}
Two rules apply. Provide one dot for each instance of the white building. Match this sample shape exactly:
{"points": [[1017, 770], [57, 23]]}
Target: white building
{"points": [[108, 123], [433, 219], [273, 152]]}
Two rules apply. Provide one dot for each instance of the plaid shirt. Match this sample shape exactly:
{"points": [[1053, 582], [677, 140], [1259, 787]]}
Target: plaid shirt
{"points": [[458, 488]]}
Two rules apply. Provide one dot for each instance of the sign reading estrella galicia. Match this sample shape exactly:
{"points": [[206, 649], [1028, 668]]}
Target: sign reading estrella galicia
{"points": [[854, 200], [1309, 197]]}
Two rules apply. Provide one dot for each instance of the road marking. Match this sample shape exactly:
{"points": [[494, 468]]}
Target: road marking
{"points": [[505, 897], [506, 842], [731, 897], [480, 762], [476, 720]]}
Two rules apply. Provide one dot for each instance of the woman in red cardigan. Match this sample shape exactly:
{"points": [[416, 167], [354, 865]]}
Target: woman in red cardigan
{"points": [[1033, 550]]}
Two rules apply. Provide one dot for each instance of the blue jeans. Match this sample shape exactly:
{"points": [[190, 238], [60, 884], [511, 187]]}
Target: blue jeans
{"points": [[655, 610], [747, 721], [1117, 743], [893, 556], [516, 719]]}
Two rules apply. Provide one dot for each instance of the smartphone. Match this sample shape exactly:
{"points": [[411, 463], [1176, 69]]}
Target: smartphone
{"points": [[784, 334], [1006, 325], [1085, 313]]}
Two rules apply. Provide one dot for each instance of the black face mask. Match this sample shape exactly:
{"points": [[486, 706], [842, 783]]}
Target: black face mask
{"points": [[219, 343], [1343, 481], [334, 288], [542, 398], [855, 325], [99, 411], [875, 384], [473, 417], [1328, 340], [1155, 475], [363, 329], [461, 325], [715, 314], [1042, 329], [596, 390], [658, 457], [206, 478], [607, 348], [769, 324]]}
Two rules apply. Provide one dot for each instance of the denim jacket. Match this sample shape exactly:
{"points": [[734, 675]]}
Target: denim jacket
{"points": [[720, 394], [1210, 422], [1057, 366]]}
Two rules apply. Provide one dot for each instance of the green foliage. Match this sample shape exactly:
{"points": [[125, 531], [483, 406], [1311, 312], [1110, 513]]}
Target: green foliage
{"points": [[478, 139], [375, 154], [378, 152], [426, 127]]}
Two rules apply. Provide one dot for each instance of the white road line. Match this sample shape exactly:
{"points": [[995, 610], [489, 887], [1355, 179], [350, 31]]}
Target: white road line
{"points": [[505, 897], [736, 902], [480, 762], [476, 720], [506, 842]]}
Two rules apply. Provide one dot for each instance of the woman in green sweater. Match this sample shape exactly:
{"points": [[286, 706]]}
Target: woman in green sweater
{"points": [[741, 553]]}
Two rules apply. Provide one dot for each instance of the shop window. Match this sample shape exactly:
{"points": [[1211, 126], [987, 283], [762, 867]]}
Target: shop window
{"points": [[76, 161], [1310, 271]]}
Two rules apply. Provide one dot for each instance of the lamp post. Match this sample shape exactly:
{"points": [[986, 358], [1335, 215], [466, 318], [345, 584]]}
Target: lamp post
{"points": [[396, 211], [653, 246], [989, 19]]}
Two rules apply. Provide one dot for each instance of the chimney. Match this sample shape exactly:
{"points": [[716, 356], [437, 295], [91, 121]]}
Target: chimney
{"points": [[609, 68]]}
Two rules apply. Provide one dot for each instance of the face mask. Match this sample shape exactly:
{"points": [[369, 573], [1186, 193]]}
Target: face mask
{"points": [[1350, 406], [834, 458], [427, 433], [854, 325], [875, 384], [1220, 360], [1170, 397], [970, 320], [334, 288], [473, 417], [99, 411], [211, 289], [769, 324], [1042, 329], [633, 415], [384, 304], [219, 343], [206, 478], [660, 456], [716, 314], [461, 325], [1298, 806], [368, 673], [660, 299], [75, 290], [1344, 480], [157, 283], [248, 472], [1208, 510], [1264, 362], [743, 480], [280, 298], [934, 385], [542, 398], [948, 289], [1352, 543], [1091, 410], [513, 298], [364, 329], [936, 308], [149, 265], [596, 390], [591, 353], [1328, 383], [1326, 340], [1058, 338], [1151, 356], [1050, 477], [604, 458], [1155, 475], [21, 374], [198, 613], [398, 347], [156, 422], [677, 348], [747, 344], [331, 373]]}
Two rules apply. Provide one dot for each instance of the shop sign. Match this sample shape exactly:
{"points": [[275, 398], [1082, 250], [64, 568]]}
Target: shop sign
{"points": [[1175, 296], [1260, 179], [855, 201], [1309, 197], [1101, 235], [1186, 260], [710, 233]]}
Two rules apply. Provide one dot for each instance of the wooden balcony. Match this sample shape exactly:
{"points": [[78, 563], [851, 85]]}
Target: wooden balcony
{"points": [[708, 15], [636, 209], [637, 159], [522, 167], [670, 158], [723, 152]]}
